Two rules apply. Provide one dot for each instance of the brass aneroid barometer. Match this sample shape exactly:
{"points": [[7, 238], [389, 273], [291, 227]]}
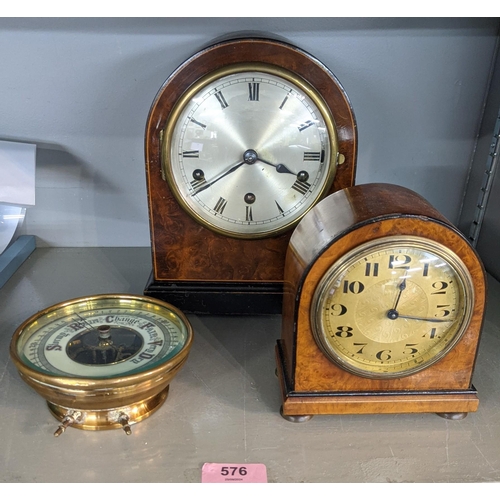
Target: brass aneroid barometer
{"points": [[383, 308], [104, 361], [242, 140]]}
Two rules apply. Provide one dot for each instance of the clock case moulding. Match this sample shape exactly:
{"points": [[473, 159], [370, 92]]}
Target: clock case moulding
{"points": [[311, 383], [194, 268]]}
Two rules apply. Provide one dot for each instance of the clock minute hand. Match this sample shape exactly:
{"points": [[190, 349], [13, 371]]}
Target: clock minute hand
{"points": [[431, 320], [218, 178], [249, 157]]}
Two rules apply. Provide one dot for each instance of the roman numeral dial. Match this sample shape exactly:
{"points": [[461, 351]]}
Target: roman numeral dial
{"points": [[251, 152]]}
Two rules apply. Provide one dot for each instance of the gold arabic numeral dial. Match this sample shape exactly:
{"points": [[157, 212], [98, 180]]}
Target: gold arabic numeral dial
{"points": [[245, 131], [392, 308]]}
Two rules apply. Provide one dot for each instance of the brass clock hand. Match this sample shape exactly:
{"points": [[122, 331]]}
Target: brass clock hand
{"points": [[401, 287]]}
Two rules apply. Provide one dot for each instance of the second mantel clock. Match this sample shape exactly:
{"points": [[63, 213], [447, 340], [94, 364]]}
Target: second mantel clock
{"points": [[383, 307], [242, 141]]}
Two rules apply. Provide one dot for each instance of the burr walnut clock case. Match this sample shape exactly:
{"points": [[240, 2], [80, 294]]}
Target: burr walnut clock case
{"points": [[382, 309], [242, 140]]}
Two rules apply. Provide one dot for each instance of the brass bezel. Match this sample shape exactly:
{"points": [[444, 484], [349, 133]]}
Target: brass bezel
{"points": [[293, 78], [354, 255]]}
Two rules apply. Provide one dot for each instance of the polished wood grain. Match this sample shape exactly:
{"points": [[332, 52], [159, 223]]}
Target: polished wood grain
{"points": [[338, 224], [183, 250]]}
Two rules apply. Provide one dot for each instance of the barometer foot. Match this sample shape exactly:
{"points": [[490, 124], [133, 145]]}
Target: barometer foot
{"points": [[124, 420], [69, 418], [107, 418]]}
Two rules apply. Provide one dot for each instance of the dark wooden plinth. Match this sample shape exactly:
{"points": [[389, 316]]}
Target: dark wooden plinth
{"points": [[220, 298]]}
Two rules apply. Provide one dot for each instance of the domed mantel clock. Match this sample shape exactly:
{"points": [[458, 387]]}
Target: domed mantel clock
{"points": [[383, 308], [242, 140]]}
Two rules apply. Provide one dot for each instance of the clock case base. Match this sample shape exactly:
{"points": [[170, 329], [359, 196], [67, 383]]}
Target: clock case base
{"points": [[224, 298], [297, 406]]}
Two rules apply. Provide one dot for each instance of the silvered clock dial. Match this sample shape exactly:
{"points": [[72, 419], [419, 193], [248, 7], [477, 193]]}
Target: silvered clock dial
{"points": [[249, 149]]}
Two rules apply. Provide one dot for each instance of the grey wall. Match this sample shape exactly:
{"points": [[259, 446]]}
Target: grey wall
{"points": [[480, 215], [81, 90]]}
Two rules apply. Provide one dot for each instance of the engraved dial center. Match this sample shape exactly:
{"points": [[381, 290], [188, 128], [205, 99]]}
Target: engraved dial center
{"points": [[377, 323]]}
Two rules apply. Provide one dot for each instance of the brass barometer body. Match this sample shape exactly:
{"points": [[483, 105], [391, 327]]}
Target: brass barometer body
{"points": [[241, 142], [104, 361], [383, 308]]}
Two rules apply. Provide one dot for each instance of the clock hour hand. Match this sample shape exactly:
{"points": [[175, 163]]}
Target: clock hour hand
{"points": [[280, 168], [393, 313], [401, 287]]}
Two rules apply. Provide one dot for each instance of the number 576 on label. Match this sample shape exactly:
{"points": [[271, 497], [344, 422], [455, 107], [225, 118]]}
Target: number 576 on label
{"points": [[233, 473]]}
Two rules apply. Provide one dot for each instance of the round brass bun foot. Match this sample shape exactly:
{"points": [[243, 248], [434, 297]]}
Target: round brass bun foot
{"points": [[453, 416], [296, 419]]}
